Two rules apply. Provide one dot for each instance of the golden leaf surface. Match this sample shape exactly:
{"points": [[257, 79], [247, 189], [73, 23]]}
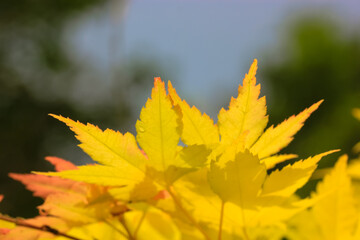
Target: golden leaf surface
{"points": [[246, 113]]}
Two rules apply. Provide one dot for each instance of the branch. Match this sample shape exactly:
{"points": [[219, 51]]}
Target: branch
{"points": [[44, 228], [221, 219], [139, 224], [122, 221]]}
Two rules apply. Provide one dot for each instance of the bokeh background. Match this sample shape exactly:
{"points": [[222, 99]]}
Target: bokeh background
{"points": [[94, 61]]}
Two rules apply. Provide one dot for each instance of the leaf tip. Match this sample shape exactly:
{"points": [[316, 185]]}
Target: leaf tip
{"points": [[170, 84], [41, 173], [13, 175], [157, 81], [58, 117], [253, 68], [60, 164], [159, 85], [250, 76], [313, 107], [172, 91], [319, 102]]}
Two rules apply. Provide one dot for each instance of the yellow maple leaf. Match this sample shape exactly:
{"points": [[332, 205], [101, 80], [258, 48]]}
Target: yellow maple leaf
{"points": [[241, 173], [196, 128], [334, 215], [242, 124], [335, 212], [156, 129], [216, 183], [276, 138], [246, 113]]}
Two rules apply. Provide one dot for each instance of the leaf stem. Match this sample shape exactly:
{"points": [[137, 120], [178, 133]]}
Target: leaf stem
{"points": [[221, 219], [122, 221], [186, 213], [246, 236], [139, 224], [43, 228], [115, 228]]}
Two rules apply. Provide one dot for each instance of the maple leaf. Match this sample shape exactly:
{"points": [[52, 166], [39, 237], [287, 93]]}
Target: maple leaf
{"points": [[196, 128], [157, 134], [336, 212], [334, 215], [24, 232], [240, 159], [43, 186], [246, 113], [68, 207], [249, 197], [243, 174], [156, 129], [242, 124], [216, 184], [286, 181], [123, 164], [60, 164], [276, 138]]}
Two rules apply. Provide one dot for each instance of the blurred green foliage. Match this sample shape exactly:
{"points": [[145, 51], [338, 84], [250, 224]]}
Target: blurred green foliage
{"points": [[31, 56], [37, 76], [318, 60]]}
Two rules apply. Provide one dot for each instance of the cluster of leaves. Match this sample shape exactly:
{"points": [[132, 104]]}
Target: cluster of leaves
{"points": [[190, 179]]}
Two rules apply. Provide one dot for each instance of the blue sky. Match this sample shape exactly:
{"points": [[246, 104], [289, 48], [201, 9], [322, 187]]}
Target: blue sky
{"points": [[204, 47]]}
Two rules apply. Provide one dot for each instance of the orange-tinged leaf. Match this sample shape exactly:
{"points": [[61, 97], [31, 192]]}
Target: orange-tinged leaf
{"points": [[157, 128], [196, 128], [274, 139], [60, 164], [246, 114], [5, 227], [43, 186], [40, 221], [74, 209], [24, 233], [128, 185]]}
